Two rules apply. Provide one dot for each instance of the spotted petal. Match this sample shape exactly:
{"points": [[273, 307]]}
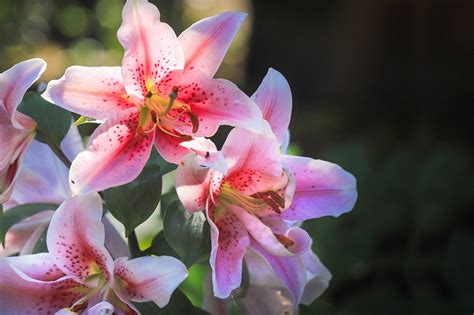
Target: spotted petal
{"points": [[212, 102], [96, 92], [253, 160], [21, 294], [192, 184], [76, 238], [273, 97], [322, 188], [15, 81], [149, 278], [38, 266], [151, 47], [115, 155], [265, 233], [229, 241], [205, 42]]}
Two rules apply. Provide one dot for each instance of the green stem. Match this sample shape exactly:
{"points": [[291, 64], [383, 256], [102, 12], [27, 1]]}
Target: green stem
{"points": [[133, 245], [56, 149]]}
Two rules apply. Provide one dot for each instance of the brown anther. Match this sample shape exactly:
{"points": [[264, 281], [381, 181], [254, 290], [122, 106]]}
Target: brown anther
{"points": [[194, 121], [287, 242], [79, 307], [149, 94], [154, 117], [272, 204], [277, 198]]}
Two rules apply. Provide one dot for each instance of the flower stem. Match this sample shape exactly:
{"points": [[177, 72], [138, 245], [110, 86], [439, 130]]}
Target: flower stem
{"points": [[55, 148], [133, 245]]}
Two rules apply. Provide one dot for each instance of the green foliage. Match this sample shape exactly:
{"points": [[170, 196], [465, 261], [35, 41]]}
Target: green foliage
{"points": [[133, 203], [187, 233], [41, 246], [19, 213], [52, 121], [179, 304], [165, 167], [160, 247]]}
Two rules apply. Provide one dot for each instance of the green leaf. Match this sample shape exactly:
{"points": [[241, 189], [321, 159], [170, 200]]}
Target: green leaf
{"points": [[187, 233], [136, 201], [178, 304], [41, 246], [166, 200], [165, 167], [160, 247], [19, 213], [53, 122]]}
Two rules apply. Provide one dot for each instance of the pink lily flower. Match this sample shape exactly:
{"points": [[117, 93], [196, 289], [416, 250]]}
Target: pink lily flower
{"points": [[16, 129], [79, 273], [163, 94], [251, 205]]}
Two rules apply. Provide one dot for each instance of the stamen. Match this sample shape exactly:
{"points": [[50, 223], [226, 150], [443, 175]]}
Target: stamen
{"points": [[194, 121], [277, 198], [229, 195], [154, 118], [273, 199], [173, 133], [287, 242]]}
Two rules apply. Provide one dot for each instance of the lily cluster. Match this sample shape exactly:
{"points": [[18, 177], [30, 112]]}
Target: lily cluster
{"points": [[254, 195]]}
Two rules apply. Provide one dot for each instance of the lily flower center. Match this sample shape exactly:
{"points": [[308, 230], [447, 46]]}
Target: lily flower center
{"points": [[155, 113], [252, 204], [98, 281]]}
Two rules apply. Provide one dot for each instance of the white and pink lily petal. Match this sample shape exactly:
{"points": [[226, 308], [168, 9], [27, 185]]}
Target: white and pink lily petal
{"points": [[206, 42], [16, 129], [148, 278], [14, 83], [20, 293], [274, 99], [322, 189], [302, 279], [76, 238], [258, 300]]}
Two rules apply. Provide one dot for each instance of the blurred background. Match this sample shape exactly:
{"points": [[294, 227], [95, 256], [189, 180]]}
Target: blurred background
{"points": [[382, 88]]}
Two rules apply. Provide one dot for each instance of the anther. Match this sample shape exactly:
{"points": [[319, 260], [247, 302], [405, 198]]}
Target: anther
{"points": [[287, 242], [154, 117], [194, 121]]}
